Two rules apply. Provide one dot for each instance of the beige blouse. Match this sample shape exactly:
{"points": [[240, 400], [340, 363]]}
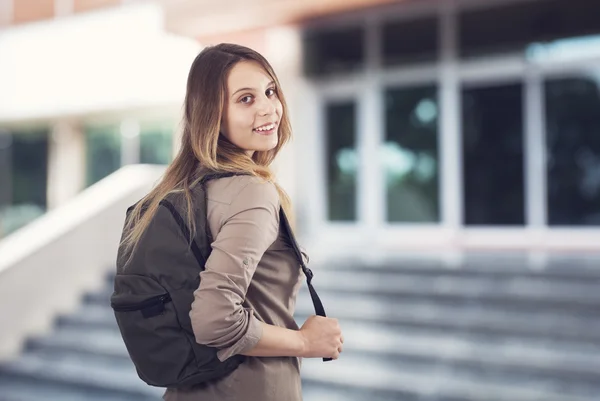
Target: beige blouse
{"points": [[251, 275]]}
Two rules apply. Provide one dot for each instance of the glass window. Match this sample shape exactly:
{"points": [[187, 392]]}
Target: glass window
{"points": [[24, 160], [410, 41], [333, 51], [493, 174], [156, 144], [410, 154], [103, 151], [5, 168], [30, 167], [510, 28], [342, 161], [573, 144]]}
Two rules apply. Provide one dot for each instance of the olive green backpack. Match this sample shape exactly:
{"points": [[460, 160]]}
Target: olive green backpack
{"points": [[153, 295]]}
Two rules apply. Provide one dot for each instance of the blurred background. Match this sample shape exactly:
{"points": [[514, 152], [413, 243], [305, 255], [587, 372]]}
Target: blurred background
{"points": [[445, 172]]}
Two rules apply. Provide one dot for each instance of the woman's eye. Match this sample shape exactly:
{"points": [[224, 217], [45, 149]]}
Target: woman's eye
{"points": [[246, 99], [270, 92]]}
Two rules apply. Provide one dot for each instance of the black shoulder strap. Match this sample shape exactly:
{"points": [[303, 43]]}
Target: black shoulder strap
{"points": [[318, 305], [186, 232], [319, 310], [214, 176]]}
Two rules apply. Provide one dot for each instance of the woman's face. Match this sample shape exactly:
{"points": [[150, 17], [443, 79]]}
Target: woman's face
{"points": [[252, 110]]}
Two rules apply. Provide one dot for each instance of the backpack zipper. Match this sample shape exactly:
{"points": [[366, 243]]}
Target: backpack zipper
{"points": [[165, 298]]}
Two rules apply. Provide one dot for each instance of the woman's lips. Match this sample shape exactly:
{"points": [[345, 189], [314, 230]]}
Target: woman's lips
{"points": [[266, 129]]}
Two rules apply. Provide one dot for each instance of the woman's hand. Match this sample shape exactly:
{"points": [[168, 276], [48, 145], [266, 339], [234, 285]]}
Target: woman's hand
{"points": [[322, 338]]}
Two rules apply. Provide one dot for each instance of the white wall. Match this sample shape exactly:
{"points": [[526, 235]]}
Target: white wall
{"points": [[115, 59], [48, 265]]}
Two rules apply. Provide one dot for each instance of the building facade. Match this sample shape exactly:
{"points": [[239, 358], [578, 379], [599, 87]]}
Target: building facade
{"points": [[419, 125]]}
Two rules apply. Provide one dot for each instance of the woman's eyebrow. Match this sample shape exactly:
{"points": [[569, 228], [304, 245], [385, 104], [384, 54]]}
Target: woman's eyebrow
{"points": [[250, 89], [242, 89]]}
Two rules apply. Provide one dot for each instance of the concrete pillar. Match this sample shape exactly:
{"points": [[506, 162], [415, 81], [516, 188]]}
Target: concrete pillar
{"points": [[66, 164], [130, 142], [283, 49], [176, 138]]}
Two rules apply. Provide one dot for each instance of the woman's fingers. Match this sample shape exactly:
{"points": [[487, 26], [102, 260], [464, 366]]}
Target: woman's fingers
{"points": [[341, 346]]}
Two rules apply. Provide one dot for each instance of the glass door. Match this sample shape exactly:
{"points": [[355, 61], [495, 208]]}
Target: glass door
{"points": [[493, 155], [411, 154], [572, 120]]}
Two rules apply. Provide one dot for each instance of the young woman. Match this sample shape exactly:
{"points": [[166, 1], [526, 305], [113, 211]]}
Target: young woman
{"points": [[236, 121]]}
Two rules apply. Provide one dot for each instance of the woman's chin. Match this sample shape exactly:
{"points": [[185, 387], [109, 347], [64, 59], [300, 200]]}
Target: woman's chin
{"points": [[267, 145]]}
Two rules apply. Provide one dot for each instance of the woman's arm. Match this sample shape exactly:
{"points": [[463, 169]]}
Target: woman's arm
{"points": [[218, 316], [278, 341], [249, 225], [319, 337]]}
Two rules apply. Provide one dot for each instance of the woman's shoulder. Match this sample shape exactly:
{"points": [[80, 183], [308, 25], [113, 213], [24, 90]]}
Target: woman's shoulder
{"points": [[242, 188]]}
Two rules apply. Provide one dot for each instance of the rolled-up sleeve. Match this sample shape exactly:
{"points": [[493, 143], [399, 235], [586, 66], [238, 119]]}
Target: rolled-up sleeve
{"points": [[249, 227]]}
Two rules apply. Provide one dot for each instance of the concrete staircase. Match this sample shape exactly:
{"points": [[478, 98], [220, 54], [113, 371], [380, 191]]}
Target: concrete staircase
{"points": [[484, 332]]}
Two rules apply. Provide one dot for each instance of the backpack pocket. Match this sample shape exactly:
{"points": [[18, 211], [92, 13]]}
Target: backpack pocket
{"points": [[150, 307], [148, 321]]}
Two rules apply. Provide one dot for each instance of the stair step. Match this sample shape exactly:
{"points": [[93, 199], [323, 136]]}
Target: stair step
{"points": [[69, 371], [81, 354], [423, 314], [477, 337], [442, 383], [575, 269], [498, 359], [99, 342], [534, 287], [532, 293], [559, 268], [470, 318], [27, 389], [90, 316], [493, 366], [562, 361], [98, 298], [317, 391]]}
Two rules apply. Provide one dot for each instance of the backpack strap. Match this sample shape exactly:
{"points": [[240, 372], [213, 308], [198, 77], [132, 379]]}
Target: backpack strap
{"points": [[186, 232], [318, 305], [319, 310], [214, 176]]}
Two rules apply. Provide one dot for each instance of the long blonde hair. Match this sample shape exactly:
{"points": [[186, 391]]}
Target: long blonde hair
{"points": [[202, 145]]}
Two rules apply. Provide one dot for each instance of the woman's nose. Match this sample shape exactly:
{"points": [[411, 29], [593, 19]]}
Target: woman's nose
{"points": [[266, 107]]}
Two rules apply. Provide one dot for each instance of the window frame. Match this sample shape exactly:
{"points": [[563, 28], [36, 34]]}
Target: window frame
{"points": [[451, 74]]}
